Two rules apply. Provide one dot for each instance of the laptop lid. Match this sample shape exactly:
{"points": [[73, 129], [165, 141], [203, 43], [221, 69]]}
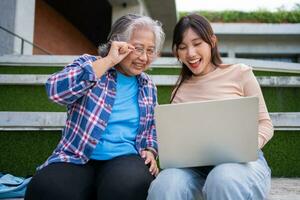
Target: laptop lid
{"points": [[208, 132]]}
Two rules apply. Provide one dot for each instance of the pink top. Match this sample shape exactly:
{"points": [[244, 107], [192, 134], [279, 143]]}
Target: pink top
{"points": [[228, 82]]}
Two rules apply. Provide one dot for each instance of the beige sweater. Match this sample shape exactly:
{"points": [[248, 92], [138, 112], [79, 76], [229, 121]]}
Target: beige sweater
{"points": [[228, 82]]}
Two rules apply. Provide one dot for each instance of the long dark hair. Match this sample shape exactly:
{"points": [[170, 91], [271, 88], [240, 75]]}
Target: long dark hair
{"points": [[201, 26]]}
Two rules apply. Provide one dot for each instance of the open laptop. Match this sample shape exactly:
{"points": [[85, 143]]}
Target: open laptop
{"points": [[208, 132]]}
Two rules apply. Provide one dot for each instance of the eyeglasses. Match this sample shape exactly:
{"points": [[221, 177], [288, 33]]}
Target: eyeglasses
{"points": [[139, 51]]}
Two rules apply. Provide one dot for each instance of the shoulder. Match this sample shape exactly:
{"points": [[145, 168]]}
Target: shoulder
{"points": [[86, 57], [147, 81], [238, 68]]}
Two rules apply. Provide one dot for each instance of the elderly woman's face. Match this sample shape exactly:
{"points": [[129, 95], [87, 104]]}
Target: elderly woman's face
{"points": [[139, 60]]}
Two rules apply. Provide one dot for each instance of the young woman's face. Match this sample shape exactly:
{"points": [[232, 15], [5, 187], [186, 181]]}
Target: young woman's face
{"points": [[195, 53], [139, 59]]}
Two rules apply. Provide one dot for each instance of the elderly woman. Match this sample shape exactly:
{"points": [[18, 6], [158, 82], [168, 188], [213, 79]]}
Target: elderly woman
{"points": [[108, 146]]}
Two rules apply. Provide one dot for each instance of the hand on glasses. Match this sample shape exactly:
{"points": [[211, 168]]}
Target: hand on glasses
{"points": [[139, 51]]}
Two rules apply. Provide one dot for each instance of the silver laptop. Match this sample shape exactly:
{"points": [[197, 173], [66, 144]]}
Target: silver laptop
{"points": [[208, 132]]}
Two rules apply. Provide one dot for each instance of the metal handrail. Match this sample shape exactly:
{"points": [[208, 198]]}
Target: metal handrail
{"points": [[24, 40]]}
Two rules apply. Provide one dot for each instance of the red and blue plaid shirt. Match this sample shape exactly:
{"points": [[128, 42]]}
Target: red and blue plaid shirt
{"points": [[89, 102]]}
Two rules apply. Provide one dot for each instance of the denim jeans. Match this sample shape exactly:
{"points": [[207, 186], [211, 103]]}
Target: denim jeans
{"points": [[234, 181]]}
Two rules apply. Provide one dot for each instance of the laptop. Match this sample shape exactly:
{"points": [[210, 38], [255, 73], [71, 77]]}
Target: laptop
{"points": [[207, 133]]}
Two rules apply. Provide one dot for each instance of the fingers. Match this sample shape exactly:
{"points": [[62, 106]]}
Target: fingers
{"points": [[122, 47], [126, 49], [143, 155], [118, 51], [149, 159]]}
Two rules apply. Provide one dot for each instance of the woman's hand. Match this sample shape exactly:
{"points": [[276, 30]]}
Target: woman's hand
{"points": [[149, 159], [118, 51]]}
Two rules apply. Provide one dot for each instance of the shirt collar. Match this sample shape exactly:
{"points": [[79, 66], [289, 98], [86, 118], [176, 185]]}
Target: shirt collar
{"points": [[142, 78]]}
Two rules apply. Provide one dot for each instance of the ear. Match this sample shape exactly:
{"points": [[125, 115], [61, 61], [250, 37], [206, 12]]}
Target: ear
{"points": [[214, 40], [175, 54]]}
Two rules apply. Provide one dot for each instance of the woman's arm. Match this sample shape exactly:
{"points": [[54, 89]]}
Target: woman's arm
{"points": [[151, 140], [68, 85], [73, 82], [251, 88]]}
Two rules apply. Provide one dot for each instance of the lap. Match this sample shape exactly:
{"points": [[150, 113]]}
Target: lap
{"points": [[247, 172], [125, 177], [254, 173], [61, 181]]}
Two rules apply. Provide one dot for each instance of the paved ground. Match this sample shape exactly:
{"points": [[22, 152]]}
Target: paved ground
{"points": [[282, 189], [285, 189]]}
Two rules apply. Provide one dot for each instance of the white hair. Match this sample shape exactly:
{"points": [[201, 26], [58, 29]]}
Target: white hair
{"points": [[123, 28]]}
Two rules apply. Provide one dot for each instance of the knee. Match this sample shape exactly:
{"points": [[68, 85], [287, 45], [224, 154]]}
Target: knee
{"points": [[170, 178], [139, 179], [37, 188], [174, 182], [40, 188], [225, 180]]}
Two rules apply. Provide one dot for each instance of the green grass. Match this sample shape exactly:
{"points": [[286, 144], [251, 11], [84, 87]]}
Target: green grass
{"points": [[152, 71], [22, 152], [26, 98], [264, 73], [163, 71], [34, 98], [164, 93], [28, 70], [259, 16], [282, 99], [283, 153]]}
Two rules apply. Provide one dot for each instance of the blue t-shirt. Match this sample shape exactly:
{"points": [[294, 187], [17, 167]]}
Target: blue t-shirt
{"points": [[119, 136]]}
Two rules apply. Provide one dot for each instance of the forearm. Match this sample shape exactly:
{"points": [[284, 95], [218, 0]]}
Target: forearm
{"points": [[102, 65], [265, 132]]}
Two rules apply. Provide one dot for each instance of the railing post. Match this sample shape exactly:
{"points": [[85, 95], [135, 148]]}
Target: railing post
{"points": [[24, 40], [22, 46]]}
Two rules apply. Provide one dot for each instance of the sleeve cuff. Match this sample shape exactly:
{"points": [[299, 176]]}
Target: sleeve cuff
{"points": [[89, 73], [154, 152]]}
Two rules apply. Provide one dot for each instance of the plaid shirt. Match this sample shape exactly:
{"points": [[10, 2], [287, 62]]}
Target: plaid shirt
{"points": [[89, 102]]}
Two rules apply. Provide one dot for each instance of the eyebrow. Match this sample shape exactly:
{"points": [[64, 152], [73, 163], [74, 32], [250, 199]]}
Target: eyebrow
{"points": [[197, 39], [193, 40], [141, 45]]}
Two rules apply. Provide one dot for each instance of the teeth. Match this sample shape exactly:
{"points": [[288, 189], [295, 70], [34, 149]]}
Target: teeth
{"points": [[194, 61]]}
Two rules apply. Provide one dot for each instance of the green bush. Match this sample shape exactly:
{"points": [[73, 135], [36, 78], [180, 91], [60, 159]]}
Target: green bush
{"points": [[260, 16]]}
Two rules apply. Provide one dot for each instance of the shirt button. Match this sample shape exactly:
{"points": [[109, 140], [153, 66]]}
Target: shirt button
{"points": [[113, 74]]}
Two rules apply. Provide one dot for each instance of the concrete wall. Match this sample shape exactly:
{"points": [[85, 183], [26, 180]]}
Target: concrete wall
{"points": [[7, 20], [129, 6], [57, 35], [24, 25], [18, 17], [262, 41]]}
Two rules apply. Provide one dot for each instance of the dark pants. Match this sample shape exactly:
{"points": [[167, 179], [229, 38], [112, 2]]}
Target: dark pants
{"points": [[125, 177]]}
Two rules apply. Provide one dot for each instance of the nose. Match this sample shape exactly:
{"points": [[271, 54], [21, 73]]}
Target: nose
{"points": [[191, 52], [144, 56]]}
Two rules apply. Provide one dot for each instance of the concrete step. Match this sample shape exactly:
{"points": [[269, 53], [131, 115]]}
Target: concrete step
{"points": [[282, 189], [285, 189]]}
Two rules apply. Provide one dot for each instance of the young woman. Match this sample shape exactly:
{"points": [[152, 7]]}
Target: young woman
{"points": [[205, 77], [108, 146]]}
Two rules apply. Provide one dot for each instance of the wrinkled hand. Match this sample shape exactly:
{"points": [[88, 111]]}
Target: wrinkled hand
{"points": [[149, 159], [118, 51]]}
